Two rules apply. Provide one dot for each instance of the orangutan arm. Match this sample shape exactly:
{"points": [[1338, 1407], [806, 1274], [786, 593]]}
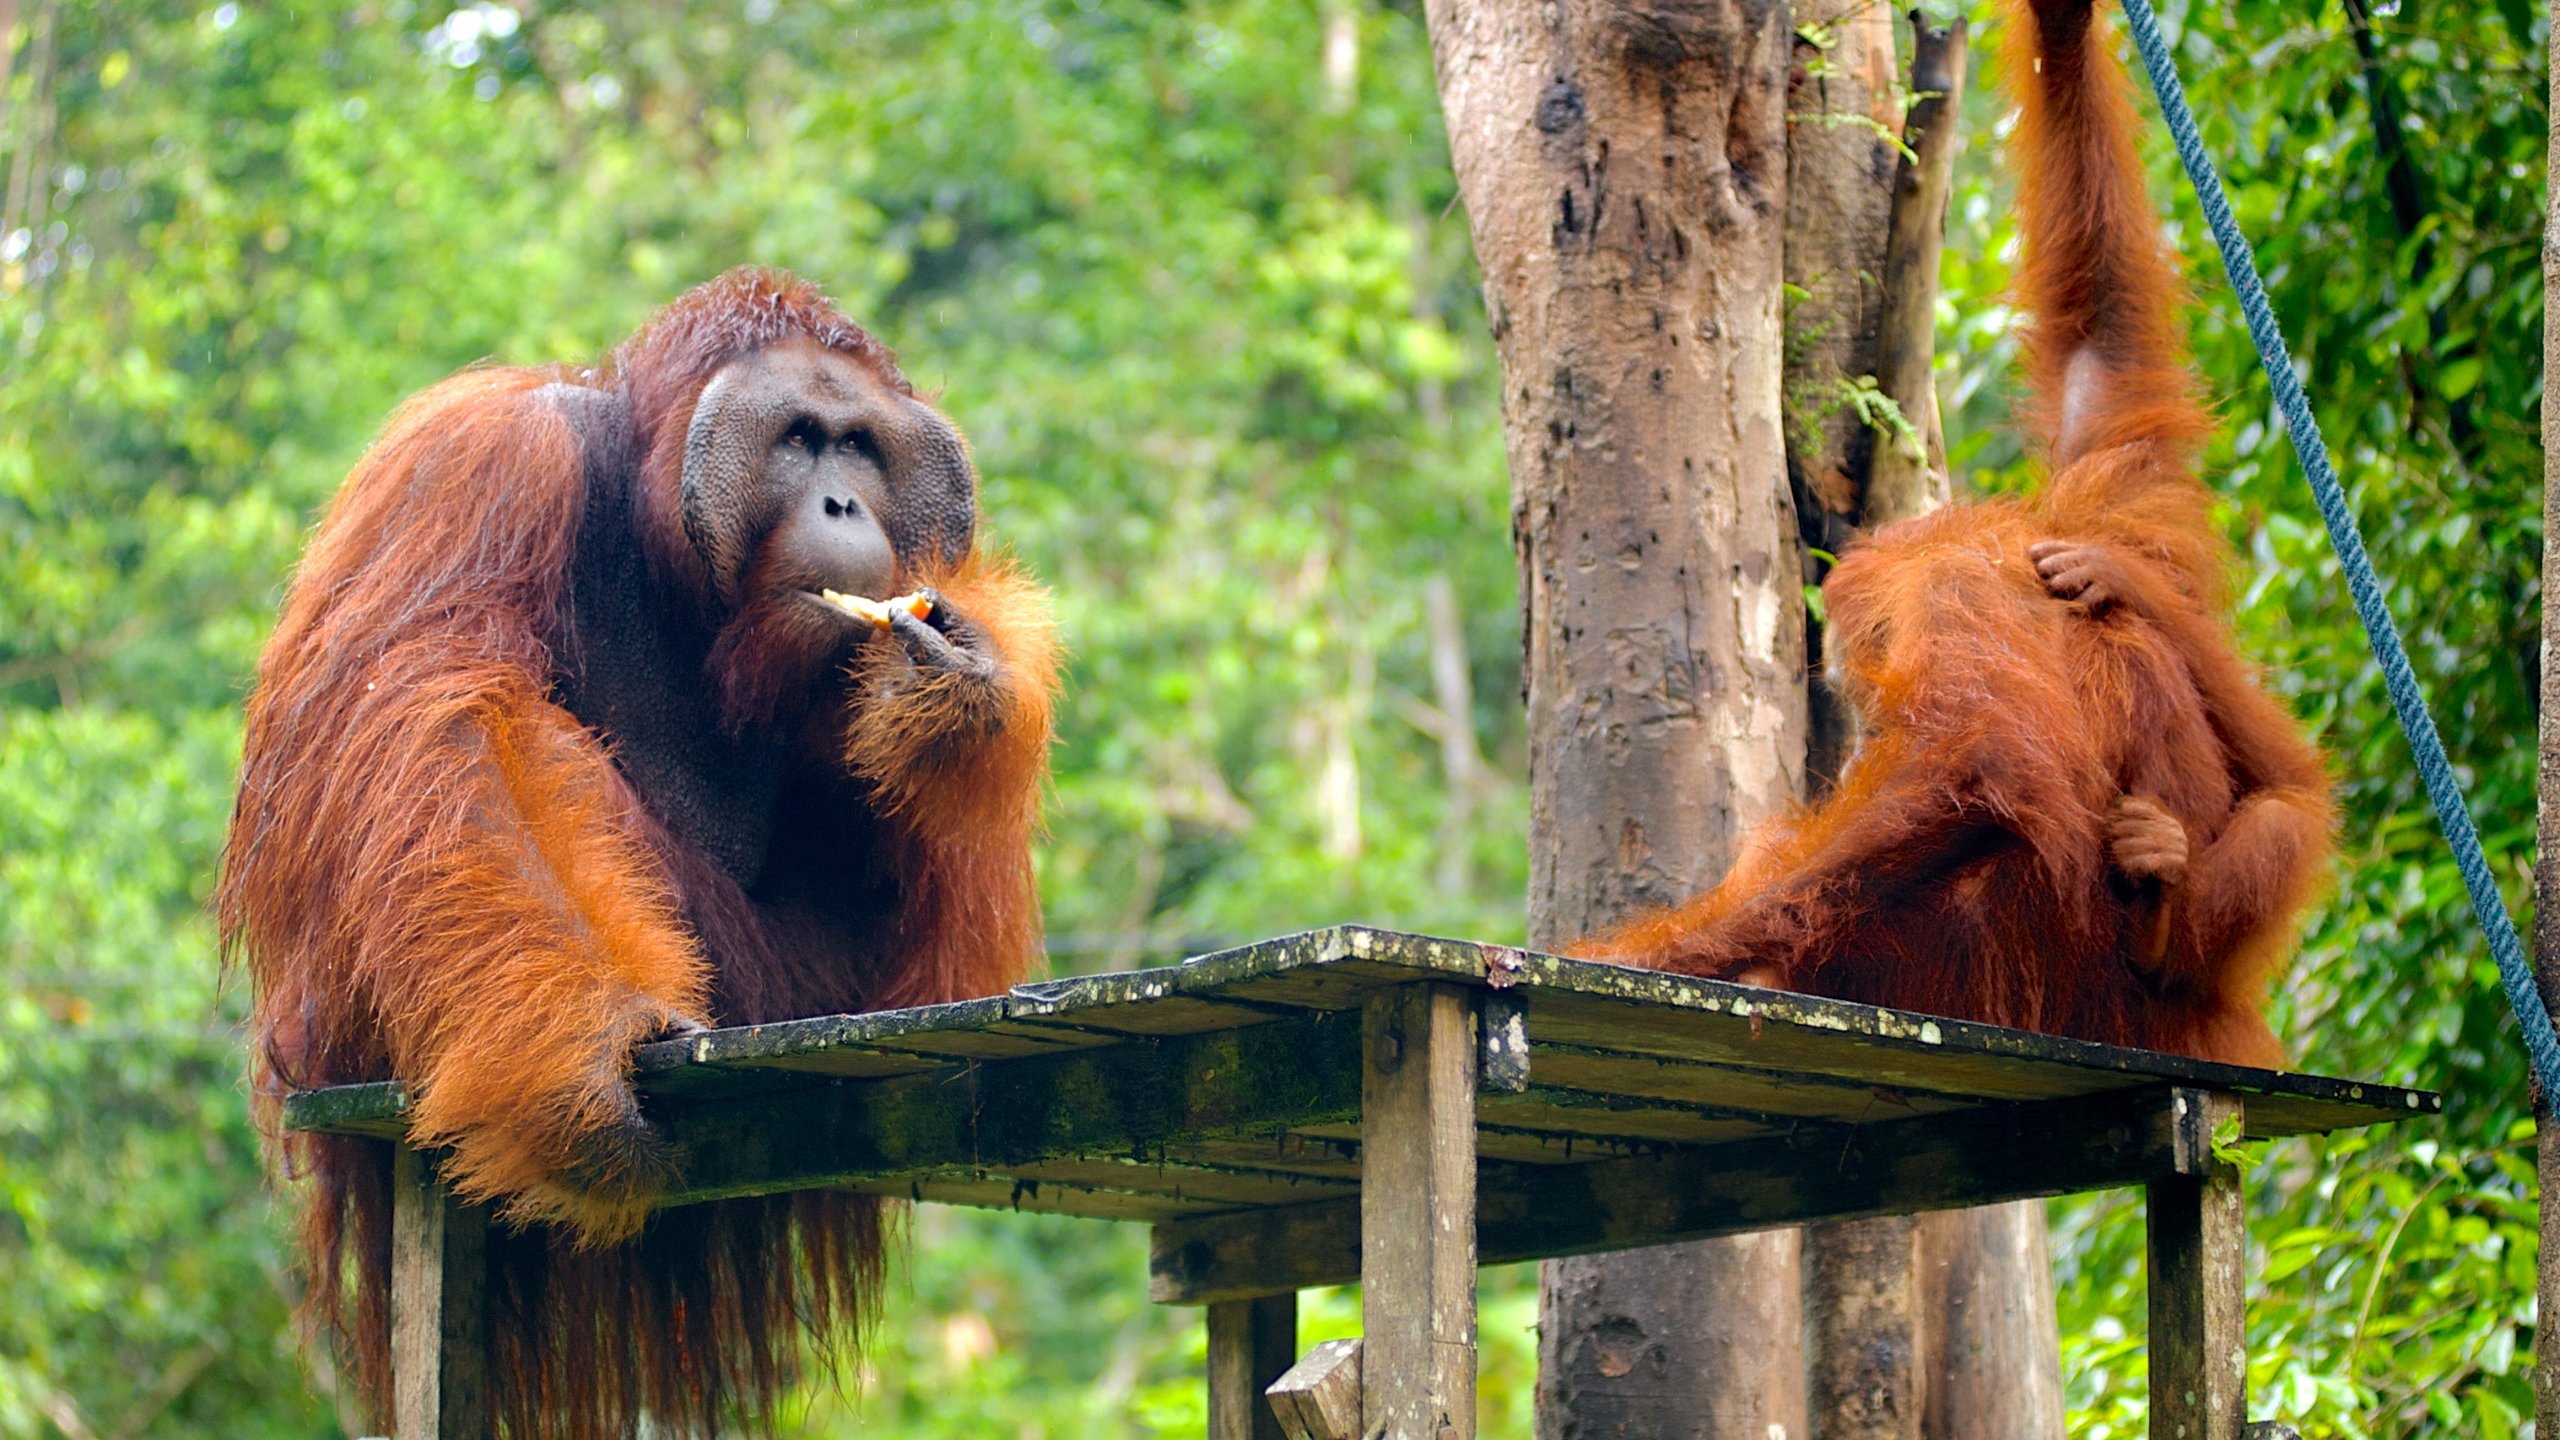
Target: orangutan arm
{"points": [[2242, 890], [1896, 823], [429, 850], [951, 727]]}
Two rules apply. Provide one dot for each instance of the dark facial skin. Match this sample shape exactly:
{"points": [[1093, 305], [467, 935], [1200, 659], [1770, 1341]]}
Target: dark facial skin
{"points": [[804, 472], [800, 471]]}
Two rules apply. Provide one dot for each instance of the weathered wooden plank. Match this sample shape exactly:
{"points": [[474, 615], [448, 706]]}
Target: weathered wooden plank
{"points": [[1417, 1211], [1502, 1035], [1244, 1253], [1772, 1098], [1251, 1344], [439, 1309], [1566, 1007], [1533, 1145], [996, 1042], [1166, 1015], [1326, 987], [1437, 954], [1126, 1099], [1530, 1147], [751, 1077], [1585, 1122], [2199, 1329], [1288, 1151], [1214, 1184], [1351, 959], [792, 1039], [1552, 1126], [1301, 971], [1967, 1157], [1657, 998], [980, 1190], [758, 1059], [1339, 968], [380, 1110], [1729, 1031], [2273, 1113], [1202, 977], [1319, 1397]]}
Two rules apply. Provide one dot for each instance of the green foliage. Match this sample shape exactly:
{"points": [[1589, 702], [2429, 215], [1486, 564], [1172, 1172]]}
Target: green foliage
{"points": [[1205, 310], [1201, 298]]}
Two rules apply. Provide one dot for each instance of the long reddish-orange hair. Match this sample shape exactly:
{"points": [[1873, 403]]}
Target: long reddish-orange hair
{"points": [[437, 874], [1963, 865]]}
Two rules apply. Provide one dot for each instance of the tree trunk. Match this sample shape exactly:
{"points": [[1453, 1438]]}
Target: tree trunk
{"points": [[1991, 1351], [1841, 162], [1843, 114], [1624, 171], [2546, 865], [1941, 1327], [1909, 476], [1682, 1342], [1862, 1334], [1861, 1337]]}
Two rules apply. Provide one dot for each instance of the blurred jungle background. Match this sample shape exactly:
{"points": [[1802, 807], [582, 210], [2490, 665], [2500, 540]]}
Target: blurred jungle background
{"points": [[1192, 277]]}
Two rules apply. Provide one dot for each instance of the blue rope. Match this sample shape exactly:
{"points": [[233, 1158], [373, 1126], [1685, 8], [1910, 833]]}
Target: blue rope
{"points": [[2453, 814]]}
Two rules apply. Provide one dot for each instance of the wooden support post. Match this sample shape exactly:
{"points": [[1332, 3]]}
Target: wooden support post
{"points": [[1418, 1214], [439, 1315], [2199, 1318], [1319, 1397], [1251, 1344]]}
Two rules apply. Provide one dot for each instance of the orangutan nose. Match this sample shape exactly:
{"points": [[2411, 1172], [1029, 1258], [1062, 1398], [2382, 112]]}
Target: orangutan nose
{"points": [[833, 541]]}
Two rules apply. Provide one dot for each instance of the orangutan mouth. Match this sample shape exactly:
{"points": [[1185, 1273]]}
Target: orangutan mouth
{"points": [[878, 612]]}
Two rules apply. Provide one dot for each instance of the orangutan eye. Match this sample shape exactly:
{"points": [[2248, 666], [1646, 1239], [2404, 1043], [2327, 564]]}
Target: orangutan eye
{"points": [[803, 436]]}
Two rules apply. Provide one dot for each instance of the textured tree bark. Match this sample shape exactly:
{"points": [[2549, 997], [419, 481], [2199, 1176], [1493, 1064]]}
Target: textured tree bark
{"points": [[2546, 864], [1941, 1327], [1861, 1341], [1909, 477], [1843, 114], [1681, 1342], [1991, 1350], [1841, 160], [1623, 167], [1990, 1354]]}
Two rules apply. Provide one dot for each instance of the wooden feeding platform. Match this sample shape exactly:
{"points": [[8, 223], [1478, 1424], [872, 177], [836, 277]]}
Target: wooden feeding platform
{"points": [[1358, 1105]]}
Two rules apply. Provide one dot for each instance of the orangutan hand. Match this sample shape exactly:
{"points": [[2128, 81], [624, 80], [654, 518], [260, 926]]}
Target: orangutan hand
{"points": [[2088, 576], [2146, 841]]}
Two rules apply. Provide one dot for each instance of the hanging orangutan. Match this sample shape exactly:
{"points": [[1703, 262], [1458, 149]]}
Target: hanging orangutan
{"points": [[2085, 818], [583, 727]]}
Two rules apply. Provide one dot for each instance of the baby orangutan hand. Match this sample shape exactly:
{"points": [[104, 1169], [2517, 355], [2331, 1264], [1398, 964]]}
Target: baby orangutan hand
{"points": [[2086, 575], [2146, 841]]}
